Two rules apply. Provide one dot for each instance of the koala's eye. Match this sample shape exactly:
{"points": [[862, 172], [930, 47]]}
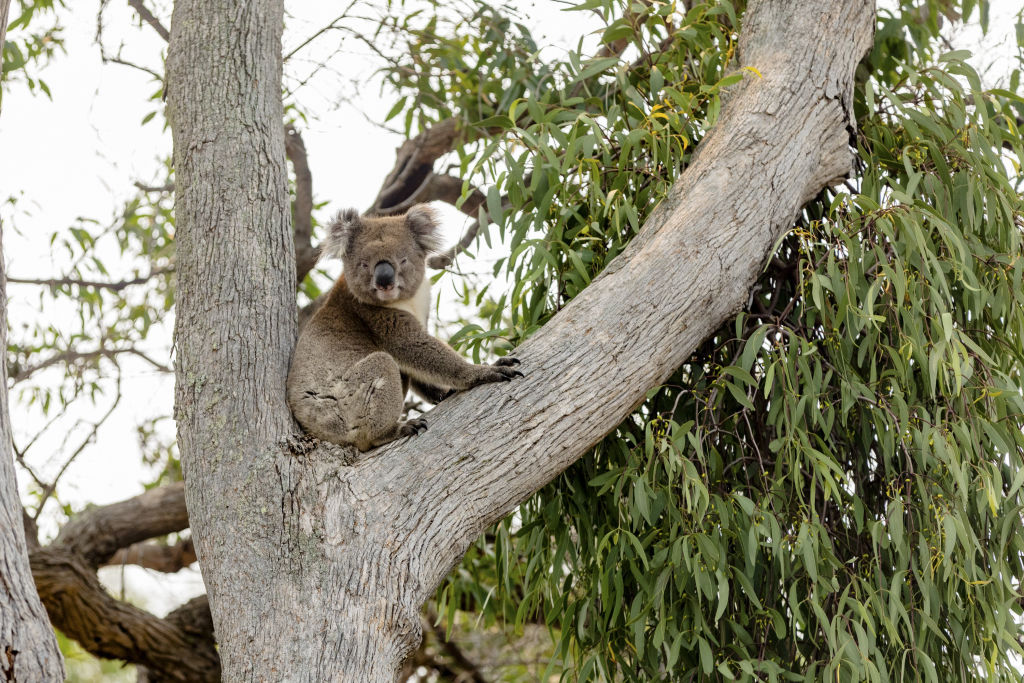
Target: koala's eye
{"points": [[364, 264], [404, 261]]}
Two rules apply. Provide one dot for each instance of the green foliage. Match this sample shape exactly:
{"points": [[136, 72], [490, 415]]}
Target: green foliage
{"points": [[29, 46], [831, 487], [114, 314]]}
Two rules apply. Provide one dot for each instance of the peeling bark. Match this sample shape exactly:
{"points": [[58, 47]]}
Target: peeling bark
{"points": [[317, 563]]}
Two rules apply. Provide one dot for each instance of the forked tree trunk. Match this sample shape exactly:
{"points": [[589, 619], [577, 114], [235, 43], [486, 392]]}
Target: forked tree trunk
{"points": [[28, 647], [317, 567]]}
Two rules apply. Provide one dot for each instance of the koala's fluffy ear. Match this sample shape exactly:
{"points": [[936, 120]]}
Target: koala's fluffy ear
{"points": [[422, 223], [339, 233]]}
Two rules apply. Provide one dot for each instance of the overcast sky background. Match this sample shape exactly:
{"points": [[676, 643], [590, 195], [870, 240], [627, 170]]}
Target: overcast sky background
{"points": [[79, 155]]}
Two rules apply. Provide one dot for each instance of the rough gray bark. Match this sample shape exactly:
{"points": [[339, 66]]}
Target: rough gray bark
{"points": [[28, 647], [317, 564]]}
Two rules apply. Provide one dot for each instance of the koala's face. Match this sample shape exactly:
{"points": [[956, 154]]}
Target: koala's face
{"points": [[384, 257]]}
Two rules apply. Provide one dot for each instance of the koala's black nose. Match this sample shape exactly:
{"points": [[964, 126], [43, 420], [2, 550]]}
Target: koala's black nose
{"points": [[384, 275]]}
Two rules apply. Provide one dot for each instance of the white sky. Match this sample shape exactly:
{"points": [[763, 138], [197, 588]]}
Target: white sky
{"points": [[79, 154]]}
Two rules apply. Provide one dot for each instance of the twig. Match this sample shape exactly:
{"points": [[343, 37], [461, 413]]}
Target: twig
{"points": [[166, 187], [97, 284], [69, 357], [148, 17], [325, 29], [52, 486]]}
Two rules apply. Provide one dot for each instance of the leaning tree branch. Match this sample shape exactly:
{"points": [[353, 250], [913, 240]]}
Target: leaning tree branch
{"points": [[781, 139]]}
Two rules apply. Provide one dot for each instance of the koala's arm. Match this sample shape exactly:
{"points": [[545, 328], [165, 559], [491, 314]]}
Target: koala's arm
{"points": [[428, 360]]}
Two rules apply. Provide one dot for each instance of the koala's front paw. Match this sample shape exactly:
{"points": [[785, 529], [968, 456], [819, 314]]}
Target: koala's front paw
{"points": [[413, 427], [501, 371]]}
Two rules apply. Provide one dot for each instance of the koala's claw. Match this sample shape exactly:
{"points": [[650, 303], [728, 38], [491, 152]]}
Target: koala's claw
{"points": [[507, 373], [413, 427], [506, 361]]}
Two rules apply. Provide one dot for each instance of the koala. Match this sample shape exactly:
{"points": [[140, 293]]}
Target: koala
{"points": [[368, 343]]}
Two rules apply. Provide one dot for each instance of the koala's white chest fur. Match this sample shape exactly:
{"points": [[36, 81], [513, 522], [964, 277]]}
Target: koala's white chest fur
{"points": [[418, 304]]}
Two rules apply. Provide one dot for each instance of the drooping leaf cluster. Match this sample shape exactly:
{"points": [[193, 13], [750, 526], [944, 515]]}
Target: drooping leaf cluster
{"points": [[831, 487]]}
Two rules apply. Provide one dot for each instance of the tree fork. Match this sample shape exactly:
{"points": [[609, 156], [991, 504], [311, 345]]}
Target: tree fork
{"points": [[316, 567]]}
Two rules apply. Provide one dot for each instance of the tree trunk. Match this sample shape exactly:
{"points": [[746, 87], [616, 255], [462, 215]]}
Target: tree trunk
{"points": [[28, 647], [317, 561]]}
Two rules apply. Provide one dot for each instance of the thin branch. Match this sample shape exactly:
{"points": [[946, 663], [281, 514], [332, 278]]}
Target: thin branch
{"points": [[325, 29], [166, 187], [96, 284], [445, 259], [69, 357], [148, 17], [52, 486], [125, 62]]}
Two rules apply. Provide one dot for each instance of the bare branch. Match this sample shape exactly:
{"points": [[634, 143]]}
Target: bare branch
{"points": [[52, 486], [157, 556], [97, 533], [148, 17], [96, 284], [166, 187], [193, 618], [333, 25], [69, 357], [302, 211], [414, 163], [446, 188], [139, 67]]}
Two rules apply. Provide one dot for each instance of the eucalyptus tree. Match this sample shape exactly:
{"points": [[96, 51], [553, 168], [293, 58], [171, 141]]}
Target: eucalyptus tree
{"points": [[765, 289]]}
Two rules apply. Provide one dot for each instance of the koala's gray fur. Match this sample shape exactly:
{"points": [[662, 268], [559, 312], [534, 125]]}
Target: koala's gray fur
{"points": [[368, 342]]}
